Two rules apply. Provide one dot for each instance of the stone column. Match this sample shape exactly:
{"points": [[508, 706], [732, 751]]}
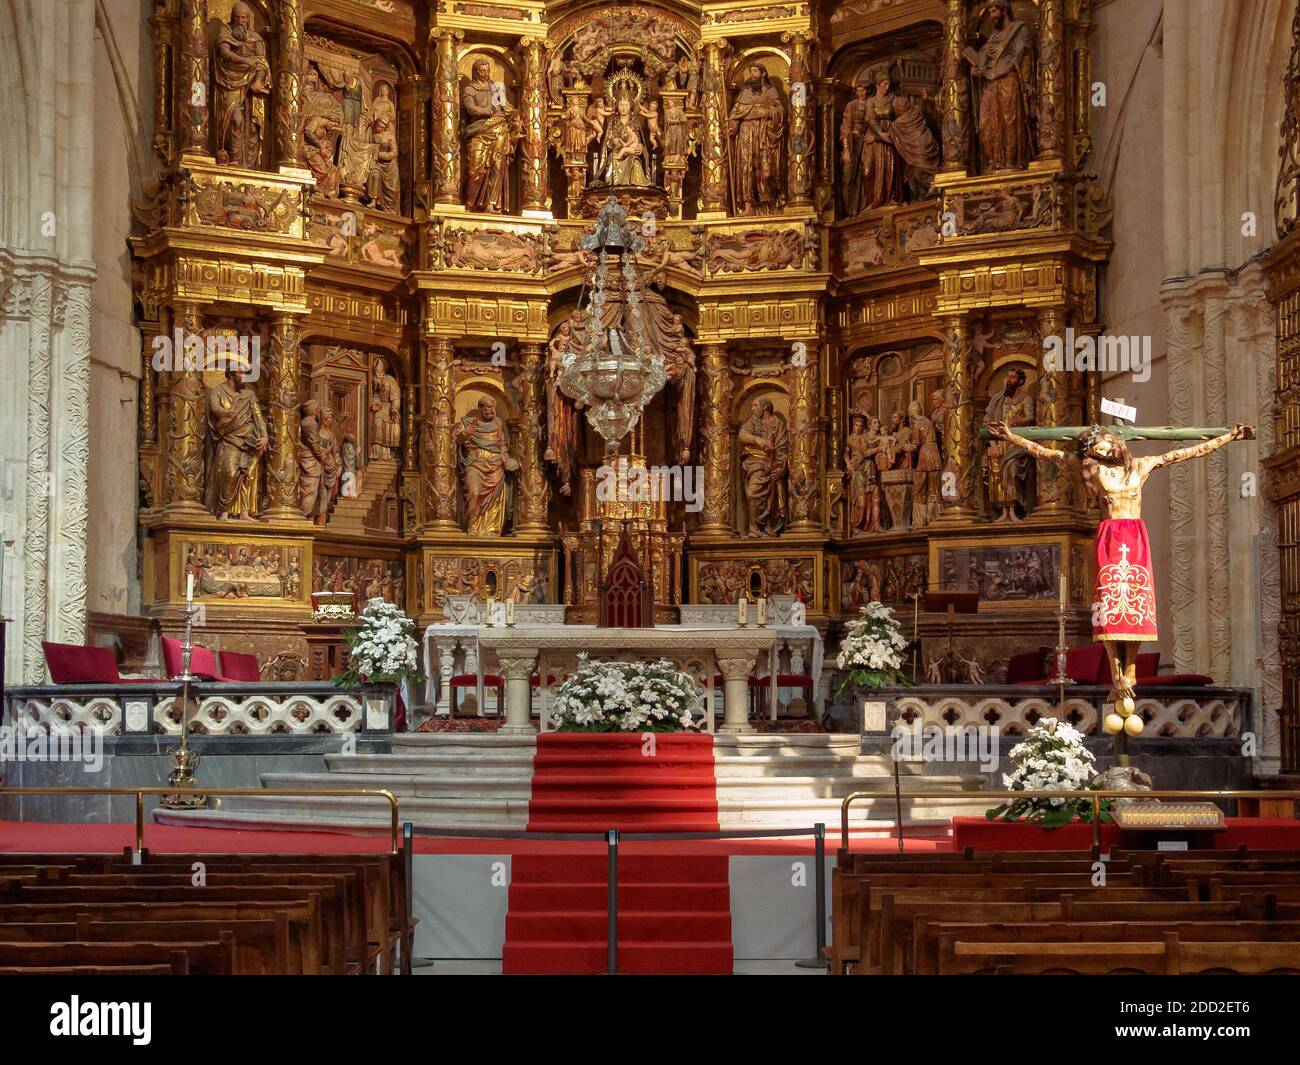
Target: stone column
{"points": [[289, 110], [713, 178], [439, 451], [40, 484], [534, 494], [517, 669], [446, 119], [533, 184], [715, 428], [735, 670], [801, 119], [954, 92], [961, 454], [192, 86], [184, 480], [1052, 105], [1053, 408], [282, 423], [805, 437]]}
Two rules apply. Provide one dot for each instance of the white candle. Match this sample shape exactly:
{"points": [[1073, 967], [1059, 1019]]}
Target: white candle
{"points": [[491, 609], [510, 611], [1064, 593], [742, 611], [189, 587], [762, 610]]}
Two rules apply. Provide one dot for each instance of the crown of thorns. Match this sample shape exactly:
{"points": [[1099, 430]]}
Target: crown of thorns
{"points": [[1090, 436]]}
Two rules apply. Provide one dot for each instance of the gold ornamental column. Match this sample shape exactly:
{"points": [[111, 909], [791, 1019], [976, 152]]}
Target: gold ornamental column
{"points": [[805, 439], [961, 456], [1054, 409], [192, 81], [289, 111], [439, 450], [535, 494], [446, 119], [716, 514], [282, 425], [1052, 105], [801, 119], [826, 144], [954, 93], [184, 479], [713, 178], [533, 174]]}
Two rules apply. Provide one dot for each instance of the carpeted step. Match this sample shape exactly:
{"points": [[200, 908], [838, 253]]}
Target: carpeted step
{"points": [[589, 927], [632, 898], [634, 958], [684, 870]]}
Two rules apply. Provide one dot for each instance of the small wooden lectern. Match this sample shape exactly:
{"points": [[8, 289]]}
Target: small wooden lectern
{"points": [[951, 669]]}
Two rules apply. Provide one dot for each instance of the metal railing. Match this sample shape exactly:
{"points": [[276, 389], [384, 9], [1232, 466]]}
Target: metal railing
{"points": [[613, 837], [1094, 797], [395, 833]]}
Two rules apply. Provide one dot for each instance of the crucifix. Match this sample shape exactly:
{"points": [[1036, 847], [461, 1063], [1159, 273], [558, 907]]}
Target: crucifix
{"points": [[1124, 603]]}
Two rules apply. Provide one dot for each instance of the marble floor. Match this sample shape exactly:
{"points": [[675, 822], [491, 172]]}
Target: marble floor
{"points": [[492, 967]]}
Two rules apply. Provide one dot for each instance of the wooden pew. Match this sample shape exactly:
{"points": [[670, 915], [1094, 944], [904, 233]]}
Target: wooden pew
{"points": [[202, 959], [1157, 955]]}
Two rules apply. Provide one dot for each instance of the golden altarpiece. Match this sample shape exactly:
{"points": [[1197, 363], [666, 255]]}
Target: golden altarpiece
{"points": [[861, 220]]}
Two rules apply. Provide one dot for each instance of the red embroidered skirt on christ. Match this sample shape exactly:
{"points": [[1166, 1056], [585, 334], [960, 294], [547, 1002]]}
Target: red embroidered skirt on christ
{"points": [[1125, 601]]}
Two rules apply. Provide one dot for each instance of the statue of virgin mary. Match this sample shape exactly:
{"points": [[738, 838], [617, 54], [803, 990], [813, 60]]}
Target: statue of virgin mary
{"points": [[624, 157]]}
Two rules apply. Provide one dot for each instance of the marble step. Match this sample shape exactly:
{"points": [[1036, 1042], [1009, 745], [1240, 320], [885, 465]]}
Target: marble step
{"points": [[470, 786], [457, 812], [732, 766], [444, 762]]}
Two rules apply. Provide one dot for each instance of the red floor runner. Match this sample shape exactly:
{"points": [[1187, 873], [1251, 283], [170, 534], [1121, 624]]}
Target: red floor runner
{"points": [[674, 908]]}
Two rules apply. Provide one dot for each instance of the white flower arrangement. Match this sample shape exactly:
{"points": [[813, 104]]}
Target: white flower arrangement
{"points": [[625, 697], [383, 647], [1051, 758], [872, 648]]}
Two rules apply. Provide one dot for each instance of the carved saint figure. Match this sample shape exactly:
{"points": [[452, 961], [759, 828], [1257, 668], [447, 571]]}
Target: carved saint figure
{"points": [[881, 134], [242, 79], [385, 413], [756, 126], [237, 440], [321, 132], [927, 464], [561, 427], [1009, 470], [383, 180], [1124, 614], [1004, 67], [576, 132], [331, 464], [860, 451], [624, 157], [311, 460], [491, 131], [765, 459], [485, 460]]}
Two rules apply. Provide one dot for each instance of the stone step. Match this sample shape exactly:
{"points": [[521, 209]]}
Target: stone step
{"points": [[822, 787], [804, 764], [479, 786], [506, 763], [454, 812], [466, 744]]}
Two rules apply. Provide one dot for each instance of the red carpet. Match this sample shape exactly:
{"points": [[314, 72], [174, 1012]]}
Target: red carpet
{"points": [[674, 908]]}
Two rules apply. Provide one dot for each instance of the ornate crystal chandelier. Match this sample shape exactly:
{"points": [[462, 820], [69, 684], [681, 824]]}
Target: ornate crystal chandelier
{"points": [[610, 367]]}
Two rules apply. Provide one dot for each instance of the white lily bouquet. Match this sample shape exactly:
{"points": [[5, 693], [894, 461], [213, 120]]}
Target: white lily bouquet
{"points": [[383, 647], [872, 649], [1051, 758], [625, 697]]}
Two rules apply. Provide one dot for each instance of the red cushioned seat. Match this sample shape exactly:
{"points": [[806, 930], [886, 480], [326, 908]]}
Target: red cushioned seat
{"points": [[490, 680], [203, 663], [536, 681], [1025, 668], [1084, 665], [73, 664], [239, 667], [1176, 679]]}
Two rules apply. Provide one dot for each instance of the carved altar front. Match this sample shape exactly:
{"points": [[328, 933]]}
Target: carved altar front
{"points": [[862, 221]]}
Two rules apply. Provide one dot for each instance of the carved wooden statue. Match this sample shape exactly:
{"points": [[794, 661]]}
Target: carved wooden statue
{"points": [[1009, 470], [242, 80], [1004, 72], [485, 460], [765, 461], [236, 442], [756, 125], [491, 131]]}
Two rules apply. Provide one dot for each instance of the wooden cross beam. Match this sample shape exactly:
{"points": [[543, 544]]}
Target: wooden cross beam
{"points": [[1124, 432]]}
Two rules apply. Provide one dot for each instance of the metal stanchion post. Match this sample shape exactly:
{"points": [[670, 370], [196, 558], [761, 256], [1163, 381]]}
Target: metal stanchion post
{"points": [[819, 909], [409, 961], [611, 931]]}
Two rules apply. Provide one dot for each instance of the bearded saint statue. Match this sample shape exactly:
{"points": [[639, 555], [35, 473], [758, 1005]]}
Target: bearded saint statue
{"points": [[242, 80], [756, 125]]}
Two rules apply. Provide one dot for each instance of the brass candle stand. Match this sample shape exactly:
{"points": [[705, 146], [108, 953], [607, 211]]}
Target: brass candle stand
{"points": [[186, 760]]}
